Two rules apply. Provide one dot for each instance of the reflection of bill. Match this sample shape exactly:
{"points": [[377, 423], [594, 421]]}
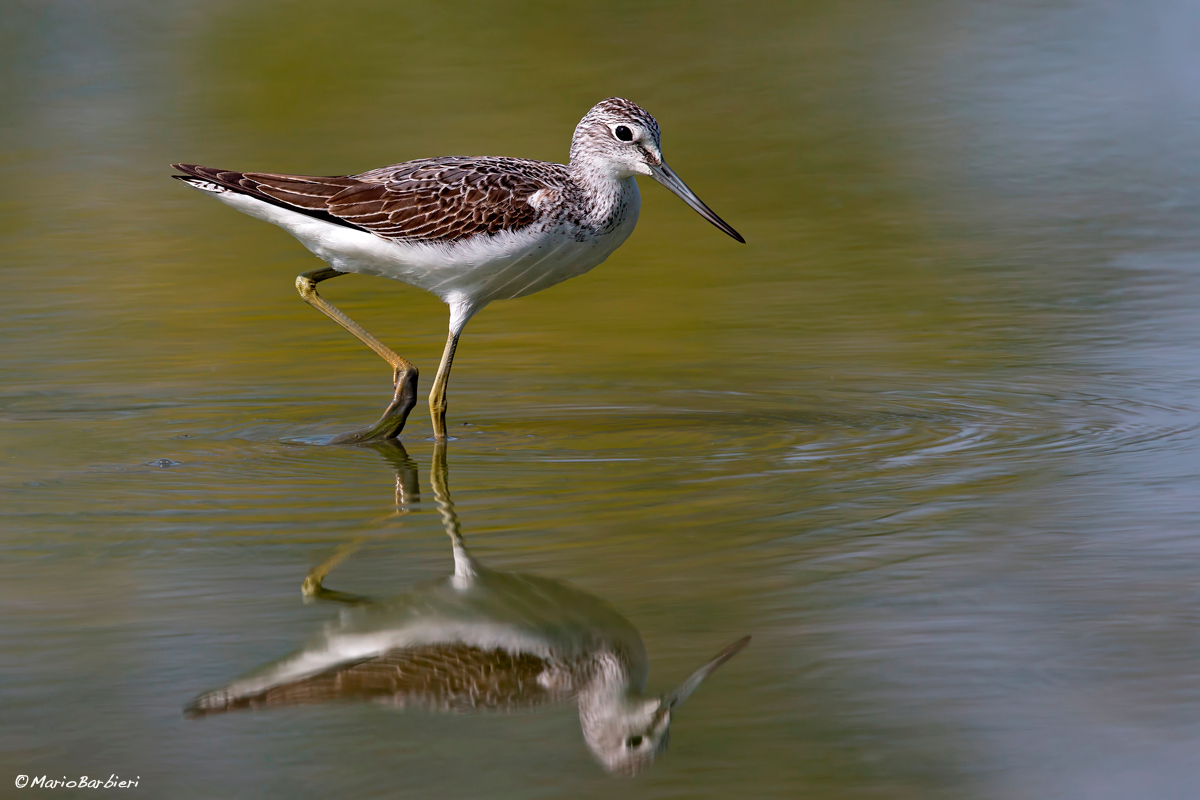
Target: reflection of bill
{"points": [[113, 781], [477, 641]]}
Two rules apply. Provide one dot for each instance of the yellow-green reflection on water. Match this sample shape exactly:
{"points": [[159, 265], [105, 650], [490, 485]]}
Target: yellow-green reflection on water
{"points": [[930, 436]]}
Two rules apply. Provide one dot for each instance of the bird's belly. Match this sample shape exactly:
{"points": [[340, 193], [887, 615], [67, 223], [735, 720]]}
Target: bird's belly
{"points": [[516, 614], [472, 271], [483, 268]]}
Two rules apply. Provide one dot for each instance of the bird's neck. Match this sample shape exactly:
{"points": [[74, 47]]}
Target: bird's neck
{"points": [[607, 690], [603, 198]]}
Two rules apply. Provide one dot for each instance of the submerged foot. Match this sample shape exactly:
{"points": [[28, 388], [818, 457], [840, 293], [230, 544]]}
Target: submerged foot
{"points": [[394, 416]]}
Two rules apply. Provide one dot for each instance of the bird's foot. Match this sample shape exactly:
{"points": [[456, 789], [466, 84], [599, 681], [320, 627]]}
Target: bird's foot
{"points": [[394, 416]]}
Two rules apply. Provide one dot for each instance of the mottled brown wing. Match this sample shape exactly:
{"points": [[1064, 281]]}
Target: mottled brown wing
{"points": [[439, 678], [444, 199], [434, 200]]}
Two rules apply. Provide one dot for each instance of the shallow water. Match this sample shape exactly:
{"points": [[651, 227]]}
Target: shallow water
{"points": [[931, 437]]}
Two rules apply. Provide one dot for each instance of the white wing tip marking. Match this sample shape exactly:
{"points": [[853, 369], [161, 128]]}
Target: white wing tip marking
{"points": [[205, 186]]}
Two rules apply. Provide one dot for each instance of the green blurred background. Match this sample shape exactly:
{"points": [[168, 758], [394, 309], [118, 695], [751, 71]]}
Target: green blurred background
{"points": [[930, 436]]}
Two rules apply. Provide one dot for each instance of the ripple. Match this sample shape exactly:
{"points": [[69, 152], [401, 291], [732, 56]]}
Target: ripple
{"points": [[1008, 423]]}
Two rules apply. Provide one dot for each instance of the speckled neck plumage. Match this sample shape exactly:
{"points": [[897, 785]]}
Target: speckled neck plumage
{"points": [[594, 201]]}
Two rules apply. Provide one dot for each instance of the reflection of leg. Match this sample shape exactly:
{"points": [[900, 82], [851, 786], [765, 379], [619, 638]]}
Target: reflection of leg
{"points": [[408, 489], [404, 374], [437, 396], [313, 583], [465, 567]]}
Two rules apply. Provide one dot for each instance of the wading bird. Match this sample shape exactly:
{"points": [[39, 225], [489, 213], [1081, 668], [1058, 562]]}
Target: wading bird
{"points": [[479, 640], [468, 229]]}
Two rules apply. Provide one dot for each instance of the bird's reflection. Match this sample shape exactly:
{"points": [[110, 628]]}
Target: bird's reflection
{"points": [[477, 641]]}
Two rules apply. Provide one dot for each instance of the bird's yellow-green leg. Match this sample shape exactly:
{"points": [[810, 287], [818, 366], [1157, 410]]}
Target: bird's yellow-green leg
{"points": [[437, 397], [408, 489], [404, 373], [465, 566], [408, 492], [313, 586]]}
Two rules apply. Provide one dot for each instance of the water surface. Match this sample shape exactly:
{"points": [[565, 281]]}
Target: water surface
{"points": [[930, 437]]}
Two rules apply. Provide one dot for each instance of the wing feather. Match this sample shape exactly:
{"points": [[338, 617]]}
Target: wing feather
{"points": [[448, 677], [435, 200]]}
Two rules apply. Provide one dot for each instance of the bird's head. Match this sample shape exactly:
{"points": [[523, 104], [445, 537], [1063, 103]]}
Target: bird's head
{"points": [[620, 139], [626, 733]]}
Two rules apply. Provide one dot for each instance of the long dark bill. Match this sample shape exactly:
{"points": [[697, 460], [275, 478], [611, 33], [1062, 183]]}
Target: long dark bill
{"points": [[696, 678], [667, 177]]}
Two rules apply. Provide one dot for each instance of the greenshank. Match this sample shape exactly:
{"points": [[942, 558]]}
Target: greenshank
{"points": [[478, 641], [468, 229]]}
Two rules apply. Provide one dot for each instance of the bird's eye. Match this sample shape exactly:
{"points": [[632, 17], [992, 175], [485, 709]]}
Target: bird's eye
{"points": [[623, 133], [632, 741]]}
